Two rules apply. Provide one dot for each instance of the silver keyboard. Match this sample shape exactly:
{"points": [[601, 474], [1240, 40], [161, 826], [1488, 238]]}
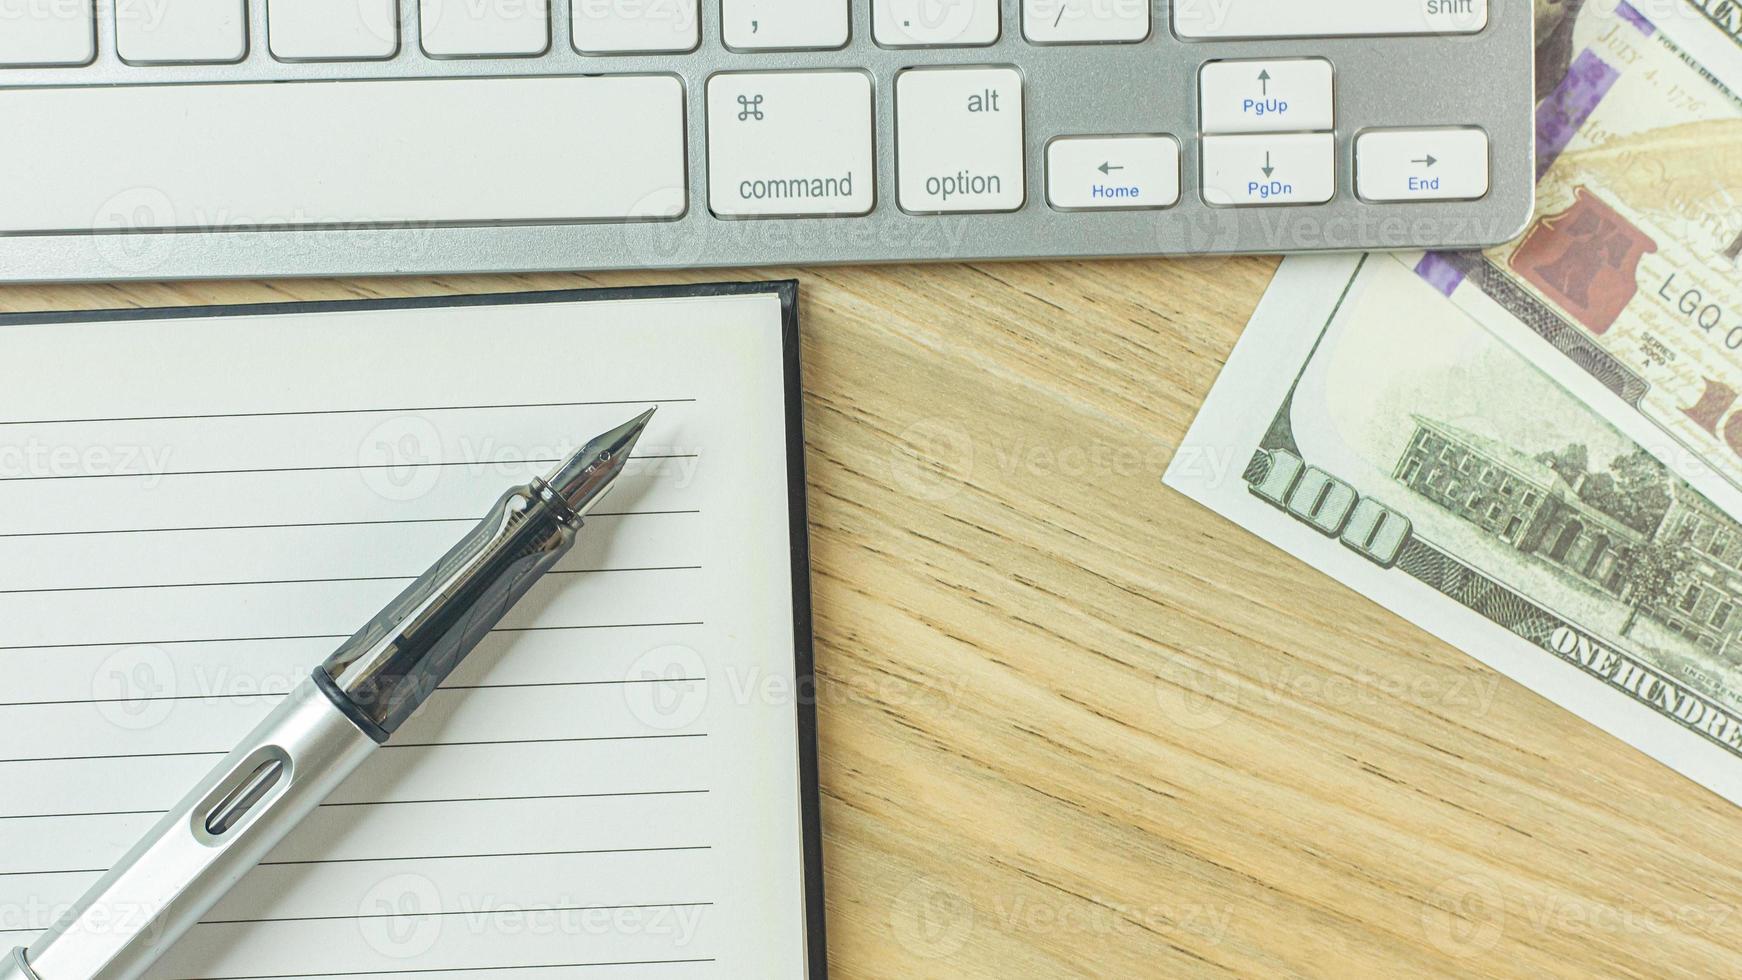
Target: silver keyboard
{"points": [[170, 139]]}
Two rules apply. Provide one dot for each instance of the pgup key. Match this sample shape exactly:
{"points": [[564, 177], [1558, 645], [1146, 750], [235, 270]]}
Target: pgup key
{"points": [[1284, 95]]}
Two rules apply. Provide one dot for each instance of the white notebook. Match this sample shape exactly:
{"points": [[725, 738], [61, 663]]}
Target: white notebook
{"points": [[197, 505]]}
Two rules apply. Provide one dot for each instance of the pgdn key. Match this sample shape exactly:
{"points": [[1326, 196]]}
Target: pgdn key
{"points": [[1244, 171]]}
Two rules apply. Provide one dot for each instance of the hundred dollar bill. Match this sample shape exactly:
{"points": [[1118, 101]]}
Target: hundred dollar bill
{"points": [[1378, 433], [1631, 272]]}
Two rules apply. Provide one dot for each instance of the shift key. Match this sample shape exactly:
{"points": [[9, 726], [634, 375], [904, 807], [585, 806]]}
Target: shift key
{"points": [[958, 140]]}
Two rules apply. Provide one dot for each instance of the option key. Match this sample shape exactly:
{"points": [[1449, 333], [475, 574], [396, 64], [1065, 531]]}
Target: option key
{"points": [[958, 140]]}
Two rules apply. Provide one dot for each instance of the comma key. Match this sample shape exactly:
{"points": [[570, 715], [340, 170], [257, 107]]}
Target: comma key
{"points": [[958, 140]]}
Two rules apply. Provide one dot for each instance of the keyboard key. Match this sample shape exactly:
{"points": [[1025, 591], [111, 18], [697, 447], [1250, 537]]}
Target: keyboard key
{"points": [[179, 32], [1283, 95], [1421, 165], [784, 25], [1084, 21], [785, 144], [485, 28], [332, 30], [1198, 19], [633, 26], [345, 153], [1297, 168], [958, 139], [934, 23], [1094, 173], [39, 33]]}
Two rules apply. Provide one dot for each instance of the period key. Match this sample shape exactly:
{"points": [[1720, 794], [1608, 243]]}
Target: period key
{"points": [[958, 140]]}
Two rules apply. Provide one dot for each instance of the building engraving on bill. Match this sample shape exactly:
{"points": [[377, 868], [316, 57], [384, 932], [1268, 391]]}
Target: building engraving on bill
{"points": [[1632, 532]]}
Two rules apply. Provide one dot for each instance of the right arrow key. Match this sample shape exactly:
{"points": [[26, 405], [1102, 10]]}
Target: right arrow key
{"points": [[1421, 165]]}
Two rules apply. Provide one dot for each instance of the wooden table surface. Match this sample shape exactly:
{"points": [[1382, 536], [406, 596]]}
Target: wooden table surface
{"points": [[1074, 725]]}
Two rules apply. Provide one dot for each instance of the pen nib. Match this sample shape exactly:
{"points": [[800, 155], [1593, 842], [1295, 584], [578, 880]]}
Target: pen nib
{"points": [[585, 477]]}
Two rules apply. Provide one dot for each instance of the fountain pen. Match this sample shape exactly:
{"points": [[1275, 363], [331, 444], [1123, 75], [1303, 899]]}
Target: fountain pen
{"points": [[324, 729]]}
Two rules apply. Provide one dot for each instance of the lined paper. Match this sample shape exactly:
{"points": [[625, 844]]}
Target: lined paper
{"points": [[195, 511]]}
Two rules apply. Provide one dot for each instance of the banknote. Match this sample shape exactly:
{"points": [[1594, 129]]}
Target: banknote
{"points": [[1379, 433], [1631, 271]]}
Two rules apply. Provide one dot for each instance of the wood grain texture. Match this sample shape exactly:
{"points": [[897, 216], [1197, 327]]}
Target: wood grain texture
{"points": [[1074, 725]]}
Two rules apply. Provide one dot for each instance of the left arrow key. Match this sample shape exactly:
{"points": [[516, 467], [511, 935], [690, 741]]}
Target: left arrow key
{"points": [[1082, 175]]}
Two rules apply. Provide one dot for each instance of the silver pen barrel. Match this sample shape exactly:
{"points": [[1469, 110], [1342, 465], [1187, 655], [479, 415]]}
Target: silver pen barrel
{"points": [[280, 772], [322, 731]]}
